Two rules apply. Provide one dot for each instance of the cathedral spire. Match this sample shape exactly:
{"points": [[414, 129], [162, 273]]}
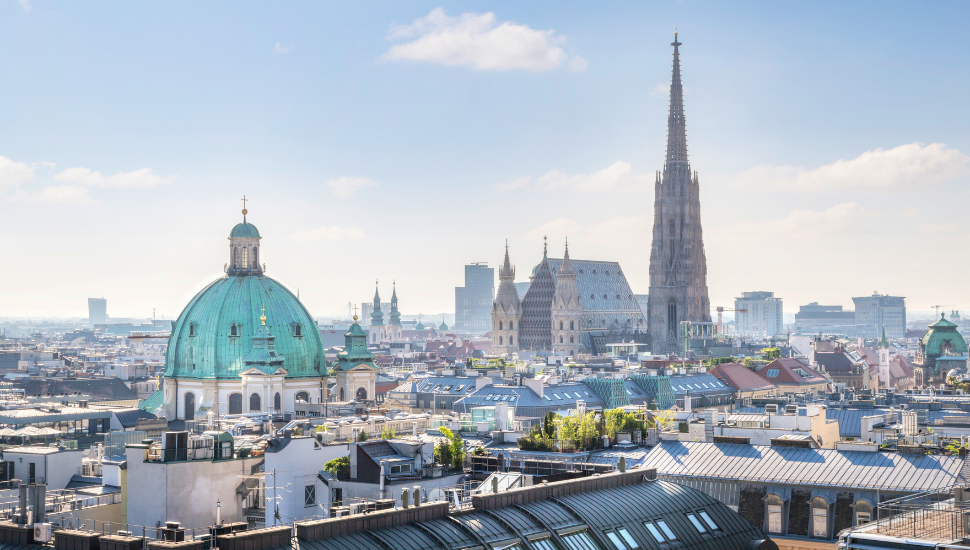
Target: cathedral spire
{"points": [[394, 316], [676, 125], [507, 270], [377, 316], [567, 264]]}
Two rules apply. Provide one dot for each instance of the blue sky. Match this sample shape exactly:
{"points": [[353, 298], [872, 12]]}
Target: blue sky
{"points": [[400, 140]]}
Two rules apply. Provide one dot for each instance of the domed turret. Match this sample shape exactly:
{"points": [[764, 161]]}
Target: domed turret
{"points": [[244, 249]]}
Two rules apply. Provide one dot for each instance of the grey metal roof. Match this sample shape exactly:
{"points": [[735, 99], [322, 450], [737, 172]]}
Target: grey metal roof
{"points": [[552, 514], [559, 397], [452, 535], [353, 541], [129, 417], [519, 520], [484, 526], [406, 537], [814, 467], [697, 384]]}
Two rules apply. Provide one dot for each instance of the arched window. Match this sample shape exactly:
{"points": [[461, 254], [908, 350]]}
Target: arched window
{"points": [[235, 257], [277, 402], [303, 396], [361, 394], [670, 237], [572, 339], [342, 395], [255, 257], [235, 403], [572, 325], [511, 340], [500, 340], [255, 404], [671, 316], [560, 339], [560, 325], [191, 329], [298, 330], [189, 406], [500, 325], [511, 325], [233, 331], [245, 257]]}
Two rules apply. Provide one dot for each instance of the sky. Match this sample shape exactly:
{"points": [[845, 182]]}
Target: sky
{"points": [[398, 141]]}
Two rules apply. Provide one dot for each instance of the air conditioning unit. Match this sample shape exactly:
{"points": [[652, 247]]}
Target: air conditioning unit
{"points": [[43, 532], [125, 534]]}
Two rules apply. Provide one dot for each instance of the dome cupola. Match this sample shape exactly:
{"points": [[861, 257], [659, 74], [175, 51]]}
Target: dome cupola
{"points": [[244, 249]]}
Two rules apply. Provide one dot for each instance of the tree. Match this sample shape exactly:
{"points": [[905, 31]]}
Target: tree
{"points": [[388, 432], [362, 436], [770, 354], [451, 450], [665, 418], [339, 468]]}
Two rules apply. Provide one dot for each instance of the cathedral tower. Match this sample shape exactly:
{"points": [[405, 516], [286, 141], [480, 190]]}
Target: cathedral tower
{"points": [[506, 310], [376, 329], [394, 329], [678, 266], [567, 310]]}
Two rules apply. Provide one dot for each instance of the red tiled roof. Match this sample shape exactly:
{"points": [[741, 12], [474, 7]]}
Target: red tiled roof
{"points": [[740, 377], [788, 372]]}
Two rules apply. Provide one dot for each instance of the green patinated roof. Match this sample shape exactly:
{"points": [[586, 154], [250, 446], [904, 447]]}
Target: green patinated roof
{"points": [[244, 230], [213, 353], [153, 401], [355, 350], [442, 326], [943, 339]]}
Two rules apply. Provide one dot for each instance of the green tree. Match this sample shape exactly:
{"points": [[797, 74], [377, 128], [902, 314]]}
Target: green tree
{"points": [[338, 467], [450, 451], [388, 432], [770, 354]]}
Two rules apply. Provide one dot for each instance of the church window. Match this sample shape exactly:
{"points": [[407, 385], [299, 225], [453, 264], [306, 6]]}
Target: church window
{"points": [[511, 327], [235, 403], [191, 329], [500, 325], [255, 404], [511, 340], [560, 325], [189, 406], [500, 340], [255, 256], [671, 315], [235, 257], [572, 339], [303, 396], [277, 402], [298, 330], [560, 339], [245, 257], [233, 330], [361, 394], [572, 325]]}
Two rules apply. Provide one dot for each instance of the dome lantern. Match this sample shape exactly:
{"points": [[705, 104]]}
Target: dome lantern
{"points": [[244, 248]]}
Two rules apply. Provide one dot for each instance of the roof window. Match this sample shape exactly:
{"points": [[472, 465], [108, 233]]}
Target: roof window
{"points": [[579, 541], [772, 373], [655, 533], [697, 523], [546, 397], [666, 530], [707, 519]]}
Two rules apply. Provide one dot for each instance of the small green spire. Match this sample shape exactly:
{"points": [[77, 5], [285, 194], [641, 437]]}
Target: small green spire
{"points": [[884, 343]]}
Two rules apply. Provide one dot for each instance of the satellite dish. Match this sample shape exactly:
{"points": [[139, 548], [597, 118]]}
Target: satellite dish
{"points": [[437, 494]]}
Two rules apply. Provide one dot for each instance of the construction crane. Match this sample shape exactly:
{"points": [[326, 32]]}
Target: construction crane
{"points": [[720, 313], [937, 308]]}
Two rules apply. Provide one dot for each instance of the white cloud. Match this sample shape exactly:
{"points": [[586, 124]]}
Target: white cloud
{"points": [[661, 89], [281, 49], [798, 225], [937, 228], [75, 194], [13, 173], [514, 184], [617, 176], [332, 233], [477, 40], [346, 187], [144, 178], [909, 165], [25, 4]]}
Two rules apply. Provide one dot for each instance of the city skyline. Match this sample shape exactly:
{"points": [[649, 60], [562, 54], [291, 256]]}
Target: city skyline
{"points": [[126, 186]]}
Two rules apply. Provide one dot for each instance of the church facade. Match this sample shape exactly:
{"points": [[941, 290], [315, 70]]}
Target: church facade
{"points": [[678, 265], [571, 307], [244, 344], [378, 332]]}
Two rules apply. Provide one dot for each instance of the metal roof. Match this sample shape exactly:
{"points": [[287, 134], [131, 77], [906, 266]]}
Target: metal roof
{"points": [[698, 384], [814, 467]]}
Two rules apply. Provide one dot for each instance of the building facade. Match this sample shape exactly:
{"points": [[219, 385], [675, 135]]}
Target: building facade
{"points": [[678, 265], [814, 318], [872, 313], [474, 300], [759, 314], [97, 311]]}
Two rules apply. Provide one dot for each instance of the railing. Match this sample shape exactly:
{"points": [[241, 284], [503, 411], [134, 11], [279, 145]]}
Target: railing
{"points": [[933, 516]]}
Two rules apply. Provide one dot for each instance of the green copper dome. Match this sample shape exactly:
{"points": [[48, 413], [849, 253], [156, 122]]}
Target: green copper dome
{"points": [[214, 334], [943, 339], [244, 230]]}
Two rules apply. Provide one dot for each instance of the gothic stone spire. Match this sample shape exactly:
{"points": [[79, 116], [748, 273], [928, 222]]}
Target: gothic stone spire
{"points": [[678, 265]]}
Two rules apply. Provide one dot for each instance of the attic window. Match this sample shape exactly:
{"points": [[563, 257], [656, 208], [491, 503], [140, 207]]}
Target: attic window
{"points": [[772, 373], [298, 330], [192, 329], [233, 330]]}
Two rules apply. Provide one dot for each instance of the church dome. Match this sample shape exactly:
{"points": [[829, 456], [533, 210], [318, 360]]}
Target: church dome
{"points": [[214, 333], [244, 229]]}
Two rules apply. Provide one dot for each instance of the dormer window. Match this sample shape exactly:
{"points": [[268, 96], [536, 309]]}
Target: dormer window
{"points": [[191, 329], [234, 330], [298, 330]]}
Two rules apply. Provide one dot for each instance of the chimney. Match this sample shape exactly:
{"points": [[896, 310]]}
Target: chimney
{"points": [[536, 385]]}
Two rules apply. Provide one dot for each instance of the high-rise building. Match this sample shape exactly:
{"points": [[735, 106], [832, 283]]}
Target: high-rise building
{"points": [[97, 311], [880, 310], [678, 266], [821, 318], [758, 315], [473, 302]]}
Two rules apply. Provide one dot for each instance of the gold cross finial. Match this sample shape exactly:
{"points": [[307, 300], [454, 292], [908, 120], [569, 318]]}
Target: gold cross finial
{"points": [[244, 211], [262, 318], [355, 313]]}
